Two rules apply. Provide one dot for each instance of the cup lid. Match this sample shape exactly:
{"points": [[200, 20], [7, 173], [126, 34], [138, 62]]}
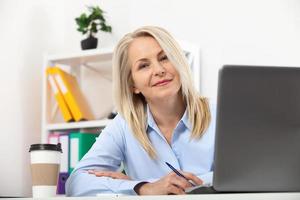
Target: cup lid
{"points": [[50, 147]]}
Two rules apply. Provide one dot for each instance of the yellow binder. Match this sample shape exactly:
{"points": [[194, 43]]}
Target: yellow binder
{"points": [[69, 87], [66, 113]]}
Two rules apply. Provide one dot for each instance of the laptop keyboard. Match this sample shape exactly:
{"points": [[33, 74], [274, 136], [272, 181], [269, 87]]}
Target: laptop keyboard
{"points": [[202, 190]]}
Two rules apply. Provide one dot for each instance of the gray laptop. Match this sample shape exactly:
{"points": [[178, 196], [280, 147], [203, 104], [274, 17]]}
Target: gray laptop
{"points": [[257, 147]]}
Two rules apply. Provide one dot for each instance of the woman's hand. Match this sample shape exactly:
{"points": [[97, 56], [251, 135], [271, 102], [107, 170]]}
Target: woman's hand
{"points": [[111, 174], [169, 184]]}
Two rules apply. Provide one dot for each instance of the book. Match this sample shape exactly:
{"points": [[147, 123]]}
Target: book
{"points": [[72, 94], [62, 105], [80, 144]]}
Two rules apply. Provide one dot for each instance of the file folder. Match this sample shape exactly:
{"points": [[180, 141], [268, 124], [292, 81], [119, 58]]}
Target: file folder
{"points": [[62, 178], [80, 143], [63, 107], [64, 163], [53, 138], [72, 94]]}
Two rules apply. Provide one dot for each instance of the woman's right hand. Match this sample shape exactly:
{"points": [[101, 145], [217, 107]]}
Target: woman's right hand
{"points": [[169, 184]]}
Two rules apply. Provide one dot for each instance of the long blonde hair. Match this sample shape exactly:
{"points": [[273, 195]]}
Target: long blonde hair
{"points": [[132, 106]]}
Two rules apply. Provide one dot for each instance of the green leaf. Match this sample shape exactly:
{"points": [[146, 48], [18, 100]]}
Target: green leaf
{"points": [[94, 28], [92, 22]]}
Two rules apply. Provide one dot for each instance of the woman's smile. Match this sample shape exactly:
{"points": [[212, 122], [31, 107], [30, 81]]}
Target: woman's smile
{"points": [[162, 82]]}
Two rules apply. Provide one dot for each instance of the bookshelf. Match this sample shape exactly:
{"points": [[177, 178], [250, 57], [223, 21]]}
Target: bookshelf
{"points": [[93, 72]]}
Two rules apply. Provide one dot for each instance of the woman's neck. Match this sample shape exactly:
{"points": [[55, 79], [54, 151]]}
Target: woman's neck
{"points": [[168, 112]]}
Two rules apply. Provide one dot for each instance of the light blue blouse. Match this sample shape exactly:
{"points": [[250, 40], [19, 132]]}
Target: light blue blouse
{"points": [[116, 144]]}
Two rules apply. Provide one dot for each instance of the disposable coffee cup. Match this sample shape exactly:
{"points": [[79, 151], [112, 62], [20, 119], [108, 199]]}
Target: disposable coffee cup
{"points": [[45, 164]]}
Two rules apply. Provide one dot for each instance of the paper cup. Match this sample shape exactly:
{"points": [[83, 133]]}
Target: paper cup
{"points": [[45, 163]]}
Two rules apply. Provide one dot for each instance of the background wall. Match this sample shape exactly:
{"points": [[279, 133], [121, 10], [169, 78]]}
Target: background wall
{"points": [[228, 32]]}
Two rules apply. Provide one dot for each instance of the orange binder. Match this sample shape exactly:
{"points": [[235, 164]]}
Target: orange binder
{"points": [[66, 113], [72, 94]]}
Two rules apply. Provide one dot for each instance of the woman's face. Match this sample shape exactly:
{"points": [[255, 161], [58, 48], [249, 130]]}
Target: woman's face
{"points": [[153, 74]]}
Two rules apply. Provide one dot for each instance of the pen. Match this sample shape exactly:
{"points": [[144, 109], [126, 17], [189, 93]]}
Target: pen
{"points": [[179, 174]]}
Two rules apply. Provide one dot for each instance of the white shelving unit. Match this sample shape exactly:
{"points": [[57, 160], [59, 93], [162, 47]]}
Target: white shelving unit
{"points": [[192, 53], [84, 65]]}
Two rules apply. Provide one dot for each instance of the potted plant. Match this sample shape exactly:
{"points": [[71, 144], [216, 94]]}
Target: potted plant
{"points": [[90, 24]]}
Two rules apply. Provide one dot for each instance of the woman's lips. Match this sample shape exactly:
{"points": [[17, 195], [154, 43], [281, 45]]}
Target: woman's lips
{"points": [[161, 83]]}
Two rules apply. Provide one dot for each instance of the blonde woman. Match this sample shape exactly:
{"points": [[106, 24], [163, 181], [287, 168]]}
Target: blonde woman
{"points": [[161, 119]]}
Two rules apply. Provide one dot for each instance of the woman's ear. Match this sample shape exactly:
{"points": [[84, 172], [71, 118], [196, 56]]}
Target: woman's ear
{"points": [[135, 90]]}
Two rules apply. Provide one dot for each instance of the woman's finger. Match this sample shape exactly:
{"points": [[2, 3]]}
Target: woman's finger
{"points": [[115, 175], [103, 173], [180, 182], [175, 190], [192, 177]]}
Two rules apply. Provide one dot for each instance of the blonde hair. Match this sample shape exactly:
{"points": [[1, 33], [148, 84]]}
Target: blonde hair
{"points": [[132, 106]]}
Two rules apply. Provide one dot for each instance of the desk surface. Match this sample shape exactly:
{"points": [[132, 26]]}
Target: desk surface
{"points": [[236, 196]]}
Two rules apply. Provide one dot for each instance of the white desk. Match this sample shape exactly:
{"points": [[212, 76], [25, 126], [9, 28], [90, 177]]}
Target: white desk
{"points": [[236, 196]]}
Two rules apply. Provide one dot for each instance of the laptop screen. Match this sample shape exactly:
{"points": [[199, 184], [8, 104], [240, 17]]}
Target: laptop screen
{"points": [[258, 129]]}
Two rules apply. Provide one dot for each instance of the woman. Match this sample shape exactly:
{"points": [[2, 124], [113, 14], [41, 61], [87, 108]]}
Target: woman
{"points": [[161, 119]]}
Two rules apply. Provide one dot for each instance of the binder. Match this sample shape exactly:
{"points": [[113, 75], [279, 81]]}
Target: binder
{"points": [[62, 178], [80, 144], [63, 138], [53, 138], [72, 94], [64, 162], [66, 113]]}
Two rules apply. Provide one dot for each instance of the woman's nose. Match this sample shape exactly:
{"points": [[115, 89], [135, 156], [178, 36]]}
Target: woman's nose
{"points": [[159, 70]]}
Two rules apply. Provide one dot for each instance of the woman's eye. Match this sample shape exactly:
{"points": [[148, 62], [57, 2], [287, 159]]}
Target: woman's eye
{"points": [[163, 58], [141, 66]]}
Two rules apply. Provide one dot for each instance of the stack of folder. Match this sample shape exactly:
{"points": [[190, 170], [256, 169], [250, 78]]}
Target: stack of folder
{"points": [[68, 95], [75, 144], [73, 107], [63, 138]]}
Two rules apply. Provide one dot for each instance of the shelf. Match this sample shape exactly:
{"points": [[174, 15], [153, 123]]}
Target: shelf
{"points": [[78, 125], [82, 57], [93, 70]]}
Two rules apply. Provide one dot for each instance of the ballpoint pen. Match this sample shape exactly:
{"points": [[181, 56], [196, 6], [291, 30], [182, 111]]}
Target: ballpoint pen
{"points": [[179, 174]]}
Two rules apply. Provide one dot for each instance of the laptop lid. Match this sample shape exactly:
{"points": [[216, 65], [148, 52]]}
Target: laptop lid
{"points": [[258, 129]]}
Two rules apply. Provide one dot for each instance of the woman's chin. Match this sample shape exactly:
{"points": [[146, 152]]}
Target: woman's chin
{"points": [[164, 95]]}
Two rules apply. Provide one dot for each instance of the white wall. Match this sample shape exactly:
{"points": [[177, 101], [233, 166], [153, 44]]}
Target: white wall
{"points": [[28, 30], [242, 32], [228, 32]]}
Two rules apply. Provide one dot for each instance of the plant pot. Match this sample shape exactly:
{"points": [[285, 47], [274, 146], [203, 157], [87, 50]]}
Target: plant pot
{"points": [[89, 43]]}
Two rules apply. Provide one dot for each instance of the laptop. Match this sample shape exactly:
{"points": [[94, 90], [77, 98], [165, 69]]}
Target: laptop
{"points": [[257, 146]]}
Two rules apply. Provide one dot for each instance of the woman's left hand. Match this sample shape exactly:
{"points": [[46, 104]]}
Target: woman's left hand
{"points": [[111, 174]]}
